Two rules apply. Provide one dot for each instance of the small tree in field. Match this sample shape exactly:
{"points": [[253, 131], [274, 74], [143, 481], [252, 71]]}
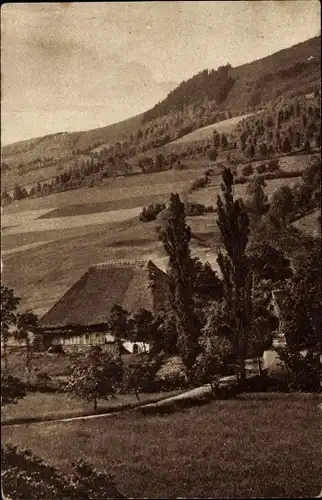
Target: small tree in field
{"points": [[95, 375], [216, 347], [9, 304], [118, 324], [281, 205], [256, 200], [26, 323], [12, 389], [138, 377], [142, 326]]}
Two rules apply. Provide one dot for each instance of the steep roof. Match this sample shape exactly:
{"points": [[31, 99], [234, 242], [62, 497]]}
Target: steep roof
{"points": [[88, 302]]}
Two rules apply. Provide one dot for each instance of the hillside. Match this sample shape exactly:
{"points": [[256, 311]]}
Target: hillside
{"points": [[295, 69]]}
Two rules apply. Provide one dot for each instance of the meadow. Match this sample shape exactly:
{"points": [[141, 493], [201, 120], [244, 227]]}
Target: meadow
{"points": [[225, 126], [49, 242], [262, 445], [45, 406]]}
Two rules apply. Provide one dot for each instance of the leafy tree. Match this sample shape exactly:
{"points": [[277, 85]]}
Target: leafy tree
{"points": [[248, 169], [281, 204], [27, 323], [216, 139], [212, 154], [216, 355], [139, 377], [263, 149], [9, 304], [166, 338], [142, 326], [224, 141], [302, 194], [269, 263], [206, 284], [233, 223], [297, 140], [25, 476], [160, 162], [118, 324], [250, 151], [256, 200], [18, 193], [12, 389], [175, 236], [95, 375]]}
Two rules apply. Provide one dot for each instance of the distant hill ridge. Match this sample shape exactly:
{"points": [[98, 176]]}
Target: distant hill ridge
{"points": [[289, 72]]}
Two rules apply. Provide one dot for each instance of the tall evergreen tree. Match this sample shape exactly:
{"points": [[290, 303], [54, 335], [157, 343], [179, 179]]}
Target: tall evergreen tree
{"points": [[233, 223], [175, 235]]}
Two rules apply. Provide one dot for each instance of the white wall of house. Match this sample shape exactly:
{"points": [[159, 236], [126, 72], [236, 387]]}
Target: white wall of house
{"points": [[141, 347]]}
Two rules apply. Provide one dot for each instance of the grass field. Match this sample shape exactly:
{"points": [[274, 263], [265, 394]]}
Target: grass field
{"points": [[38, 405], [228, 125], [255, 446], [48, 243]]}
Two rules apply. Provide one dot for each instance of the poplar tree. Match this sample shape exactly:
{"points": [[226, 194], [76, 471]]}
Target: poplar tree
{"points": [[175, 235], [233, 223]]}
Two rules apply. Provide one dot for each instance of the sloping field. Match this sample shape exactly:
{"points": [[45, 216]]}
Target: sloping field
{"points": [[208, 195], [117, 191], [310, 224], [228, 125], [42, 273]]}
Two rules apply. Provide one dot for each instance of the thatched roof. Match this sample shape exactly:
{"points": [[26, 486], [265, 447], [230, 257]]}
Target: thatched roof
{"points": [[133, 285]]}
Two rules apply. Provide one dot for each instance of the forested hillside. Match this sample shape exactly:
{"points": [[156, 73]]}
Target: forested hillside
{"points": [[69, 160]]}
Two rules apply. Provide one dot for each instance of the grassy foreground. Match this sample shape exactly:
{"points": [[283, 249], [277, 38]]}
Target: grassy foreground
{"points": [[38, 405], [255, 446]]}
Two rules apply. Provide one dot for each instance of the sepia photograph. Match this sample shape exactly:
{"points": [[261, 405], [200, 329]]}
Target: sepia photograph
{"points": [[161, 300]]}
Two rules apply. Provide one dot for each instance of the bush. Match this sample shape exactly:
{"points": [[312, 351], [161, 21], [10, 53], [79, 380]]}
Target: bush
{"points": [[195, 209], [248, 169], [261, 169], [56, 349], [25, 476], [12, 389], [199, 183], [272, 166], [240, 180], [304, 372], [151, 212]]}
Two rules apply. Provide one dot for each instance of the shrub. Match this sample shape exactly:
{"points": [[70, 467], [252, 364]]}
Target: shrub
{"points": [[247, 170], [261, 168], [12, 389], [272, 166], [199, 183], [240, 179], [26, 476], [151, 212], [195, 209], [304, 372]]}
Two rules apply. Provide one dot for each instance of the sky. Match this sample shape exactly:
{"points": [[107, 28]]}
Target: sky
{"points": [[76, 66]]}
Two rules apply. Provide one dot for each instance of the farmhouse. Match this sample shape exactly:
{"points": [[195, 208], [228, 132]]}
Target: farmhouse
{"points": [[81, 316]]}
